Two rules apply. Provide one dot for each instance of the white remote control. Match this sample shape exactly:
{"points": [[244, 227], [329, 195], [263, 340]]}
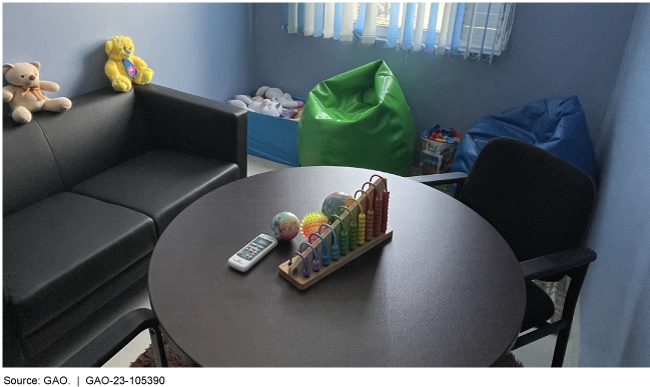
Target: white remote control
{"points": [[252, 252]]}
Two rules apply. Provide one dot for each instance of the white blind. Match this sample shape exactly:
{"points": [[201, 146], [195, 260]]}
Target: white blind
{"points": [[347, 18], [485, 27], [477, 30]]}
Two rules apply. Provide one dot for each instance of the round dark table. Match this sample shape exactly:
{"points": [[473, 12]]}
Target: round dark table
{"points": [[446, 290]]}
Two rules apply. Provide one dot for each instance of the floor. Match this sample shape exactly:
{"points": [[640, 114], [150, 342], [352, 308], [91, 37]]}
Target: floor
{"points": [[538, 354]]}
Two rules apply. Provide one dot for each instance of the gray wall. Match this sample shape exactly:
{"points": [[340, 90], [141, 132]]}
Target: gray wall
{"points": [[555, 50], [198, 48]]}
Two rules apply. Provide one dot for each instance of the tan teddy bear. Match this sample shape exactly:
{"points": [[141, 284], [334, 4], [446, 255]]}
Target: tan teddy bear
{"points": [[25, 92], [123, 67]]}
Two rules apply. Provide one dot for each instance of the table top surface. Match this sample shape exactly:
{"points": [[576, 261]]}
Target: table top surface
{"points": [[445, 290]]}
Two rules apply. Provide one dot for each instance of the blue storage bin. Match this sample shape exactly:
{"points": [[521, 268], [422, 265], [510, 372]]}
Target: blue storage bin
{"points": [[273, 138]]}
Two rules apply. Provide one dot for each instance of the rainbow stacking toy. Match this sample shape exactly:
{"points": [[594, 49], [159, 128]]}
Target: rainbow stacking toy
{"points": [[350, 232]]}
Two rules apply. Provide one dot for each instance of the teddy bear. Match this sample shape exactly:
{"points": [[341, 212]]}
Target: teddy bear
{"points": [[276, 95], [263, 106], [122, 66], [25, 92]]}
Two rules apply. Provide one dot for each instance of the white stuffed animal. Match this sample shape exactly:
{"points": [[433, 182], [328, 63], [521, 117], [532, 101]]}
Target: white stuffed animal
{"points": [[276, 95], [266, 106], [24, 93]]}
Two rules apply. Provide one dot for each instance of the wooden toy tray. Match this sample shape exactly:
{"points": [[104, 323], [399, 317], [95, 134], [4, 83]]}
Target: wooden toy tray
{"points": [[373, 192]]}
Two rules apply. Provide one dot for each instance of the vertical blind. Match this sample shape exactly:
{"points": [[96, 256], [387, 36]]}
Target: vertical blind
{"points": [[477, 30]]}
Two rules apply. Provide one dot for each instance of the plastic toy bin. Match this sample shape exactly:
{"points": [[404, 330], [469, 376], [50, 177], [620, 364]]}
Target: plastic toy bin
{"points": [[436, 157], [273, 138]]}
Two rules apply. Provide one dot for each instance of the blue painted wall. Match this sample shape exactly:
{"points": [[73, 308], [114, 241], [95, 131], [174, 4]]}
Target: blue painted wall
{"points": [[555, 50], [217, 50], [199, 48], [615, 303]]}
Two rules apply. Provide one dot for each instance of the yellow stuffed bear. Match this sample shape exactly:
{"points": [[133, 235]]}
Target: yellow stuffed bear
{"points": [[123, 67]]}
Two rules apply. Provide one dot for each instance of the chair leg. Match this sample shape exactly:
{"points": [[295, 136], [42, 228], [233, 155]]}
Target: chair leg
{"points": [[560, 346], [570, 302], [158, 347], [117, 336]]}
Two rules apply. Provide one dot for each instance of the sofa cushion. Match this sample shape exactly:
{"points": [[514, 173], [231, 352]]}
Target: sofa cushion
{"points": [[30, 173], [160, 183], [99, 132], [59, 250]]}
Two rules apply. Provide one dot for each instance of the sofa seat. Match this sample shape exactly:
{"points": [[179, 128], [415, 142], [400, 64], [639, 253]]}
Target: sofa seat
{"points": [[160, 183], [69, 245]]}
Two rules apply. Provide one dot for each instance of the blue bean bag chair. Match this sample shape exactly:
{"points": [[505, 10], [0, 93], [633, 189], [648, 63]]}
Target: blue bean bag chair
{"points": [[556, 125]]}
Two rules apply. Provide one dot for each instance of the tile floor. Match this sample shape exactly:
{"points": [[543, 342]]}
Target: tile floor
{"points": [[538, 354]]}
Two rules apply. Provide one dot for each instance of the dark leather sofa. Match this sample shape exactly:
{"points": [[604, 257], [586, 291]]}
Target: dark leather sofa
{"points": [[88, 192]]}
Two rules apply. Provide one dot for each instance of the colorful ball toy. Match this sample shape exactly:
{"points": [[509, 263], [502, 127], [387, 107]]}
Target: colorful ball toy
{"points": [[285, 226], [311, 222], [334, 201]]}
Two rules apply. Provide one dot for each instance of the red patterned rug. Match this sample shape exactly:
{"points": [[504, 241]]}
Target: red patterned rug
{"points": [[146, 359], [509, 361]]}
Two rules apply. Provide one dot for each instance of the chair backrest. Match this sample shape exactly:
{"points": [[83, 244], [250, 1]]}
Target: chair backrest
{"points": [[538, 202]]}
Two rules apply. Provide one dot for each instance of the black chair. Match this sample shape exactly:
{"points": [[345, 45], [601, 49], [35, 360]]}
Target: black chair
{"points": [[102, 348], [542, 206]]}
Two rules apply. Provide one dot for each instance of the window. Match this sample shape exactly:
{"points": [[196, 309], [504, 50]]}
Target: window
{"points": [[476, 30]]}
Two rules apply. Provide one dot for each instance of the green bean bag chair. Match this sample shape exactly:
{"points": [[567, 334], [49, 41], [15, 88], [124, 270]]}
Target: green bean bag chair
{"points": [[360, 119]]}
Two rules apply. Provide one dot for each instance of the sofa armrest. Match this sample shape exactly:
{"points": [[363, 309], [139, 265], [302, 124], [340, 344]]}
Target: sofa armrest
{"points": [[540, 267], [192, 124]]}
